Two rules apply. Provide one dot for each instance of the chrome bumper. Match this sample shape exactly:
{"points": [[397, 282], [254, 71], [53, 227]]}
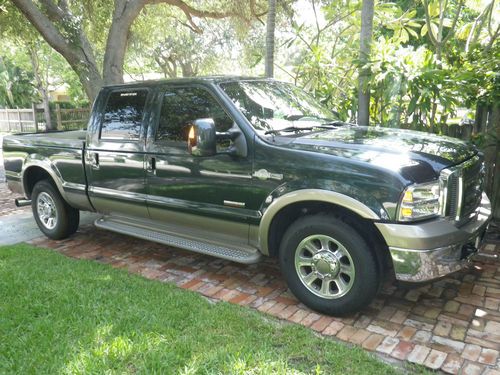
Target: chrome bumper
{"points": [[430, 250]]}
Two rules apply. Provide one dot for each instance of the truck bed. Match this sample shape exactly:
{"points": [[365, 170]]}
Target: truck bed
{"points": [[58, 153]]}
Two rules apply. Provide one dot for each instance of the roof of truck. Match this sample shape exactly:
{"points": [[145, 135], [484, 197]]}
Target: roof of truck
{"points": [[201, 79]]}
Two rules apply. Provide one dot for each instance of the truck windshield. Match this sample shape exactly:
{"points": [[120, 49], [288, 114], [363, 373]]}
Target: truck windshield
{"points": [[272, 106]]}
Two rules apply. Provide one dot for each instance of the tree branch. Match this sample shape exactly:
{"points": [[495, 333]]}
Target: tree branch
{"points": [[454, 24], [428, 23], [45, 27], [54, 12], [253, 11], [194, 12]]}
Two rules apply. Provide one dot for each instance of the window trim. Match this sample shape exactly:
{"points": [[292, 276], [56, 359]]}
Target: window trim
{"points": [[124, 140]]}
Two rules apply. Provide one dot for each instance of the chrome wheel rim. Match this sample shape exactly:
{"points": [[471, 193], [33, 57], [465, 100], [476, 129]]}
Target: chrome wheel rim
{"points": [[46, 209], [324, 266]]}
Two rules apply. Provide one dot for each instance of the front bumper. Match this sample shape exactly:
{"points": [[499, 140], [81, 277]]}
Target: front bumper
{"points": [[426, 251]]}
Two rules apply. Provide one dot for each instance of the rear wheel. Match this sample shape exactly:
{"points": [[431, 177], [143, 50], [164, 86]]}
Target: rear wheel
{"points": [[328, 265], [55, 218]]}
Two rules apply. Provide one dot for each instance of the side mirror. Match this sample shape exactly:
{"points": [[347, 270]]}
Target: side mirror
{"points": [[202, 138]]}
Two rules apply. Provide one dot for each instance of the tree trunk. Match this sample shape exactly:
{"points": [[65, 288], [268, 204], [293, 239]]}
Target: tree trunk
{"points": [[367, 12], [42, 87], [270, 27], [495, 196], [124, 14], [187, 70]]}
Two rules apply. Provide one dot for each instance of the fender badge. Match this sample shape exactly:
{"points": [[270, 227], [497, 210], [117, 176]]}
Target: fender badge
{"points": [[263, 174]]}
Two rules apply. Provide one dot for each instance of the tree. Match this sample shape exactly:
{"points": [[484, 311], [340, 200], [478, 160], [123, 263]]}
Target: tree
{"points": [[41, 84], [366, 34], [182, 51], [64, 30], [270, 27]]}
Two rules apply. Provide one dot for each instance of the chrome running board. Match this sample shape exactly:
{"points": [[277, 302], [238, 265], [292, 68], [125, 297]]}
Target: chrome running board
{"points": [[170, 236]]}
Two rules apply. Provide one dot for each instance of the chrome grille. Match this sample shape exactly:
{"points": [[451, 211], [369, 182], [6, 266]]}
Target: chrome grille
{"points": [[462, 188]]}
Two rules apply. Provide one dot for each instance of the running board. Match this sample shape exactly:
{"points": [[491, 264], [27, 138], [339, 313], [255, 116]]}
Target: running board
{"points": [[137, 229]]}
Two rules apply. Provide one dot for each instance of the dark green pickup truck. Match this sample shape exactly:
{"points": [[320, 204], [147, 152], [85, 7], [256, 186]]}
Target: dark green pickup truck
{"points": [[239, 168]]}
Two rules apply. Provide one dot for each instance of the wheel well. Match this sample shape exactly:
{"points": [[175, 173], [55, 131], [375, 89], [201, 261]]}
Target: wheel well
{"points": [[365, 227], [34, 175]]}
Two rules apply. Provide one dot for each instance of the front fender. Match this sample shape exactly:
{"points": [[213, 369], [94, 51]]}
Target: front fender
{"points": [[281, 198]]}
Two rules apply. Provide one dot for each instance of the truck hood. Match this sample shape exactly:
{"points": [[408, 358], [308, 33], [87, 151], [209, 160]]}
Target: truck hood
{"points": [[417, 155]]}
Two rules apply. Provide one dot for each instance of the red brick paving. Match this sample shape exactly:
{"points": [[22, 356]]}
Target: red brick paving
{"points": [[7, 206], [452, 325]]}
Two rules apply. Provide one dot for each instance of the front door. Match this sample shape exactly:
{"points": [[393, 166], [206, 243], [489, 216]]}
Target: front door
{"points": [[115, 155], [209, 195]]}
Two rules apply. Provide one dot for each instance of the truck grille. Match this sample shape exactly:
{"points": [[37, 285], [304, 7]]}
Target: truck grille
{"points": [[462, 188]]}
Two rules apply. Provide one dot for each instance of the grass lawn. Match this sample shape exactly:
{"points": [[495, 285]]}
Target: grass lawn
{"points": [[60, 315]]}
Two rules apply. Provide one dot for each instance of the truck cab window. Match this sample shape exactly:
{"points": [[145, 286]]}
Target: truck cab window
{"points": [[182, 106], [123, 115]]}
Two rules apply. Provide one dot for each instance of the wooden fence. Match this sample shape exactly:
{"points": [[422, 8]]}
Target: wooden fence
{"points": [[32, 120]]}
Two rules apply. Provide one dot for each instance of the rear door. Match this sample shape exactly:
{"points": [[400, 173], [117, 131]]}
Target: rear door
{"points": [[115, 154]]}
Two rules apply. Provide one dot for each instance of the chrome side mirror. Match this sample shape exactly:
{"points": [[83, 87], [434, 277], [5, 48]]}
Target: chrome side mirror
{"points": [[202, 138]]}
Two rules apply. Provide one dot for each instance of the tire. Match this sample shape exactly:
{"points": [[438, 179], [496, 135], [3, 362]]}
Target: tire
{"points": [[55, 218], [347, 277]]}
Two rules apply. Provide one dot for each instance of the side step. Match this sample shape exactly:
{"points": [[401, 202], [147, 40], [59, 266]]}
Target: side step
{"points": [[165, 236]]}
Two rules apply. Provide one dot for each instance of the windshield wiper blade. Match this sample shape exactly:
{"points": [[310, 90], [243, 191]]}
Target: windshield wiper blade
{"points": [[288, 129], [338, 123], [300, 117], [329, 125]]}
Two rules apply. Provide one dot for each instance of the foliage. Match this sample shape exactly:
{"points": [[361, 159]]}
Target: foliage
{"points": [[62, 316], [175, 49], [414, 83], [16, 87]]}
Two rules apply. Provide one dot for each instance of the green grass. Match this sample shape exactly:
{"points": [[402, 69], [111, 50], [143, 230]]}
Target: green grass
{"points": [[60, 315]]}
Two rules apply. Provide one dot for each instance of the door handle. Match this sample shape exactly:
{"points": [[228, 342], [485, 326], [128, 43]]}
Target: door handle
{"points": [[94, 160], [151, 167]]}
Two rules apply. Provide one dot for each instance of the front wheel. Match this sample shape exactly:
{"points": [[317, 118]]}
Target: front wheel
{"points": [[55, 218], [328, 265]]}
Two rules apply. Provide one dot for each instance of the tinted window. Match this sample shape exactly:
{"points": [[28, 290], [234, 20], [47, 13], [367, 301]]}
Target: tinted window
{"points": [[182, 106], [123, 115]]}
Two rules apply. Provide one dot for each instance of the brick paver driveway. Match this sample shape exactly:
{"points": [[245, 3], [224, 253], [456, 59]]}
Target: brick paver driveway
{"points": [[452, 325]]}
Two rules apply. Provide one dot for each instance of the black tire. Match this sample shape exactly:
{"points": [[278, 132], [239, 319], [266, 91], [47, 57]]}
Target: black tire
{"points": [[361, 263], [66, 219]]}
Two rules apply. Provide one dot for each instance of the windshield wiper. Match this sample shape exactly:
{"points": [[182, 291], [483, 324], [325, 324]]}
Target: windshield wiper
{"points": [[300, 117], [338, 123], [288, 129], [329, 125]]}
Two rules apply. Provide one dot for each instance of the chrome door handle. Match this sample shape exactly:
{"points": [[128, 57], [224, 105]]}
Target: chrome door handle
{"points": [[94, 160], [151, 167]]}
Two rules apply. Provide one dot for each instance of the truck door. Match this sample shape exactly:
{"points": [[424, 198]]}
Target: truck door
{"points": [[210, 193], [115, 154]]}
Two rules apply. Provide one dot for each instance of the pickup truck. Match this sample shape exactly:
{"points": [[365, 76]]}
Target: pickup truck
{"points": [[240, 168]]}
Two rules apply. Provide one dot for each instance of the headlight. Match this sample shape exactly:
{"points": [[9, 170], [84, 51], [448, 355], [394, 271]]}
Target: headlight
{"points": [[420, 201]]}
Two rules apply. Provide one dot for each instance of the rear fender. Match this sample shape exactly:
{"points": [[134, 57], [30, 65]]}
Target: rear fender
{"points": [[39, 161]]}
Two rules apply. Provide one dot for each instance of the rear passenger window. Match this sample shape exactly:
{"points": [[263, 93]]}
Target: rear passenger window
{"points": [[123, 115]]}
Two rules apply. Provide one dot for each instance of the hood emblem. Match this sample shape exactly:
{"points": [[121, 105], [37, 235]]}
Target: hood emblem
{"points": [[263, 174]]}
